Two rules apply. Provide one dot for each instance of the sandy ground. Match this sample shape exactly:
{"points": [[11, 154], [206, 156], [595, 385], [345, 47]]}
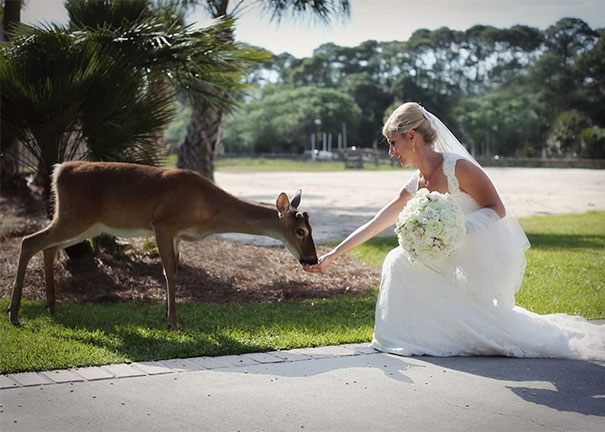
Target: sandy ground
{"points": [[338, 202]]}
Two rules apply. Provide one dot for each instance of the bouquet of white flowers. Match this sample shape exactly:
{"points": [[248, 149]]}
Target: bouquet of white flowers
{"points": [[430, 226]]}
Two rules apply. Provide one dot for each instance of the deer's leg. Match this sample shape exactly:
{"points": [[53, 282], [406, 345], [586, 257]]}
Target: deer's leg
{"points": [[165, 242], [30, 245], [177, 252], [49, 261], [56, 235]]}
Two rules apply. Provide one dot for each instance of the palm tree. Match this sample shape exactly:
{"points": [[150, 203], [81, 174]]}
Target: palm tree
{"points": [[202, 142], [169, 55], [43, 77], [103, 89], [11, 16]]}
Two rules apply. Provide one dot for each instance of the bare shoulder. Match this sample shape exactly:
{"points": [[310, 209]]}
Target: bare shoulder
{"points": [[467, 171], [465, 165], [474, 181]]}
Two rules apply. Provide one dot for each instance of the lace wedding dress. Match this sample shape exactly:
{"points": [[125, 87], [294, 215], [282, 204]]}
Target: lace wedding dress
{"points": [[464, 304]]}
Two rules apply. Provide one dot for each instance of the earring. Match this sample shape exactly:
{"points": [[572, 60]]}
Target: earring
{"points": [[413, 146]]}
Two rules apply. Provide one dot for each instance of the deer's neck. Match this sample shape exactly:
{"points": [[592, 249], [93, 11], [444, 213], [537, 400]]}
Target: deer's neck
{"points": [[239, 216]]}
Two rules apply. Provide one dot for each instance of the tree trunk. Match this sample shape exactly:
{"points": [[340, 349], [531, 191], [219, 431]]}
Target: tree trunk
{"points": [[203, 141], [12, 16]]}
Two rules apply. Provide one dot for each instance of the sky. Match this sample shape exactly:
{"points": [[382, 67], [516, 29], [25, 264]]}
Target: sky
{"points": [[381, 20]]}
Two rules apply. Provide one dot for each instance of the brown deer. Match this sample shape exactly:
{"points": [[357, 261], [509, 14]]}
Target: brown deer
{"points": [[128, 200]]}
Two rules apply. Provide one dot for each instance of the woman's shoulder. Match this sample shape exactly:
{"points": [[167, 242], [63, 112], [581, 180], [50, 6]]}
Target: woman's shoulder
{"points": [[455, 161], [456, 167], [452, 157], [465, 172]]}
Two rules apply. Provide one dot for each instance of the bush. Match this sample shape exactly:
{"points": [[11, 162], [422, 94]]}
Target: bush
{"points": [[593, 142]]}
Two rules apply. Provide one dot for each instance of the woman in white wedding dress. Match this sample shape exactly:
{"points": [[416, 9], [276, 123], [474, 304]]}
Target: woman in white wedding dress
{"points": [[463, 304]]}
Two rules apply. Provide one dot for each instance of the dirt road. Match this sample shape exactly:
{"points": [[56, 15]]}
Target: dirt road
{"points": [[338, 202]]}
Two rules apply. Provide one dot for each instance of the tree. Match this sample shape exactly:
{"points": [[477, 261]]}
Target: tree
{"points": [[591, 75], [373, 101], [554, 74], [284, 121], [11, 16], [593, 142], [97, 90], [505, 122], [499, 89], [202, 142], [40, 105], [565, 135]]}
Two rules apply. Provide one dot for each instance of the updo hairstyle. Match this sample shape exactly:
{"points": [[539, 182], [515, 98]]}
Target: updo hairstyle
{"points": [[406, 117]]}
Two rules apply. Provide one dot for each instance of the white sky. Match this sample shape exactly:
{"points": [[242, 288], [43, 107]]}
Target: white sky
{"points": [[382, 20]]}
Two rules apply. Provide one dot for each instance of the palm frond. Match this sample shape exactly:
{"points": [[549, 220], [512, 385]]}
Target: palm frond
{"points": [[322, 10], [105, 13], [41, 93], [205, 62], [103, 88]]}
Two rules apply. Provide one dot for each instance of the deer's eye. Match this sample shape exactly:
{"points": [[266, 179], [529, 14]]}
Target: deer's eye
{"points": [[300, 232]]}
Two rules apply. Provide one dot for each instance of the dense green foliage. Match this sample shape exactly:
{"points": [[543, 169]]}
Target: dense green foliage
{"points": [[565, 273], [287, 116], [103, 87], [519, 91], [202, 141]]}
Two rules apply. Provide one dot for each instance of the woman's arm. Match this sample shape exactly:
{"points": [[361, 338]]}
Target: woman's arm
{"points": [[385, 217]]}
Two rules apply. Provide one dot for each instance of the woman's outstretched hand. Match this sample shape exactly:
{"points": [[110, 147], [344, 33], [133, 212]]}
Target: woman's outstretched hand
{"points": [[322, 265]]}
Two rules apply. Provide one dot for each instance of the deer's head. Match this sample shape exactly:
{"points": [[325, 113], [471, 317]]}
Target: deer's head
{"points": [[296, 229]]}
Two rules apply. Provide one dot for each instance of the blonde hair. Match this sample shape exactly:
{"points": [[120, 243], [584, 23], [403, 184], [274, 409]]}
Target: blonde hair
{"points": [[406, 117]]}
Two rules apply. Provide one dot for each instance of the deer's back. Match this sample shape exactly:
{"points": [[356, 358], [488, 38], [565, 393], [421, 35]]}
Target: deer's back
{"points": [[130, 196]]}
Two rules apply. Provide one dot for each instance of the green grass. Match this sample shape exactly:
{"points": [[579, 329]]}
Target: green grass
{"points": [[566, 265], [265, 165], [102, 333], [249, 165], [566, 273]]}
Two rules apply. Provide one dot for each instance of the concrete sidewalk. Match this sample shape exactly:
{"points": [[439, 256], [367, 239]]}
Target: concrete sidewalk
{"points": [[335, 388]]}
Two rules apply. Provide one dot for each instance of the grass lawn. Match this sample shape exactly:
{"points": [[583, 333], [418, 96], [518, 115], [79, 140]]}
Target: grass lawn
{"points": [[245, 165], [566, 273]]}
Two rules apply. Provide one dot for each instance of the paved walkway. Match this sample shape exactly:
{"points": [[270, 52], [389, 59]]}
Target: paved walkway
{"points": [[336, 388]]}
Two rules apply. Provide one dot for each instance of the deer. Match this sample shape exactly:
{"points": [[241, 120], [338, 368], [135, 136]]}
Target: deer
{"points": [[130, 200]]}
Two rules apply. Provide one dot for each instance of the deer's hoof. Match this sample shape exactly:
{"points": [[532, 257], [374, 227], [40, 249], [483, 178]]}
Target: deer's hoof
{"points": [[14, 319]]}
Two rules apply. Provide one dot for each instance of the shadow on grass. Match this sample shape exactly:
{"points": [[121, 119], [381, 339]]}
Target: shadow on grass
{"points": [[137, 331], [565, 241]]}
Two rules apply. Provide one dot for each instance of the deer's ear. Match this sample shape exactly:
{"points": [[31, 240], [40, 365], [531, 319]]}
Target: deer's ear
{"points": [[282, 203], [296, 200]]}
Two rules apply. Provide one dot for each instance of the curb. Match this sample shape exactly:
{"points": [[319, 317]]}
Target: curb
{"points": [[176, 366]]}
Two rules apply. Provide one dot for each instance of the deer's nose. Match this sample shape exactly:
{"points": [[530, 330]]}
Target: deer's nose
{"points": [[308, 261]]}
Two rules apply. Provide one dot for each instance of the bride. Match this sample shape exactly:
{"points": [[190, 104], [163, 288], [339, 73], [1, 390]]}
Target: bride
{"points": [[463, 304]]}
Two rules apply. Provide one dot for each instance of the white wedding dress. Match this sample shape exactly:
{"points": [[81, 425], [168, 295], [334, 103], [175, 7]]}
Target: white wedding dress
{"points": [[464, 304]]}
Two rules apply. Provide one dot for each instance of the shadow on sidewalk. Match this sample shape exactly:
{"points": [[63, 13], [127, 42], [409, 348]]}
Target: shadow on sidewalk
{"points": [[577, 386]]}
